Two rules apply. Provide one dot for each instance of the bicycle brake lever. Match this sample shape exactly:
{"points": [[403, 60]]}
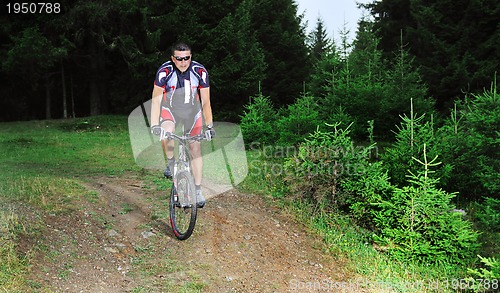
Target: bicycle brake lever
{"points": [[206, 136], [166, 135]]}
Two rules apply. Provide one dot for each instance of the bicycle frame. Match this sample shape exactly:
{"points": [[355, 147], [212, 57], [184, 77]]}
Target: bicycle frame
{"points": [[184, 153], [184, 157], [182, 198]]}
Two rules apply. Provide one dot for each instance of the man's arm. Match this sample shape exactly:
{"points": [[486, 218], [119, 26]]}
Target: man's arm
{"points": [[156, 105], [207, 108]]}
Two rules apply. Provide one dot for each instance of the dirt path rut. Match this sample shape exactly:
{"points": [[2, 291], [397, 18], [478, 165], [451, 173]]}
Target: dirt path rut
{"points": [[118, 240]]}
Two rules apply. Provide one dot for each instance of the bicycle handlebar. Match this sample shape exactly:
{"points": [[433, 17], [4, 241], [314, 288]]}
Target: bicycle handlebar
{"points": [[170, 135]]}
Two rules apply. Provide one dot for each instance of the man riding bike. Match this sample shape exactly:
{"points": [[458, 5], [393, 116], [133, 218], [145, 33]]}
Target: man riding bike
{"points": [[181, 94]]}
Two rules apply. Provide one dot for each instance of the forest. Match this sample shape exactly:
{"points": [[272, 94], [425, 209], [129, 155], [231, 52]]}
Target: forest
{"points": [[99, 57], [397, 129]]}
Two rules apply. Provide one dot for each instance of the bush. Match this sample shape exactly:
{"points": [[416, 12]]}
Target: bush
{"points": [[258, 122], [323, 161], [419, 223], [413, 133], [298, 121], [470, 141], [486, 278], [488, 214], [359, 99], [363, 190]]}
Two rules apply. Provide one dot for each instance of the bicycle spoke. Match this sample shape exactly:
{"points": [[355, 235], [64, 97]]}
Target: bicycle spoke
{"points": [[183, 212]]}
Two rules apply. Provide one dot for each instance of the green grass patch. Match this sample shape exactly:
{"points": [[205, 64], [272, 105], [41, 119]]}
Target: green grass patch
{"points": [[42, 161], [126, 208], [42, 164], [48, 192], [61, 148], [13, 266]]}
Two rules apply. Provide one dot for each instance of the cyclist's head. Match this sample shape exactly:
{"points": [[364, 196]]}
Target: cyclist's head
{"points": [[181, 46], [181, 56]]}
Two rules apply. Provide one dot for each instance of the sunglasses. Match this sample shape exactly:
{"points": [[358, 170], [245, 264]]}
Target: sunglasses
{"points": [[186, 58]]}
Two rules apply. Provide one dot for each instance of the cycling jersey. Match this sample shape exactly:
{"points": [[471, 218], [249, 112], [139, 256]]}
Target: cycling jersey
{"points": [[181, 88], [181, 97]]}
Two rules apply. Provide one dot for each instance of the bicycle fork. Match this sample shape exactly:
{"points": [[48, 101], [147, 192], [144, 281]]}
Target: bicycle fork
{"points": [[184, 167]]}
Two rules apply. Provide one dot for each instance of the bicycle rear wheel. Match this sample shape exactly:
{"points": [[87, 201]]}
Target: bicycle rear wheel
{"points": [[183, 206]]}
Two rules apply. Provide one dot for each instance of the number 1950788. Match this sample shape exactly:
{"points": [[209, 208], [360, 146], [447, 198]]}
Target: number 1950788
{"points": [[33, 8]]}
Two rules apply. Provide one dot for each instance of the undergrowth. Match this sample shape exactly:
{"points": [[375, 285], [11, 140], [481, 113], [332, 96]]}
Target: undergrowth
{"points": [[344, 237], [395, 217]]}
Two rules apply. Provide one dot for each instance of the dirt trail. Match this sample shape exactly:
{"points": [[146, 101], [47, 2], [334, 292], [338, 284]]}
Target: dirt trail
{"points": [[118, 240]]}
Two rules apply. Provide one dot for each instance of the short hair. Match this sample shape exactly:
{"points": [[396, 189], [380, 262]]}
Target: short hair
{"points": [[181, 46]]}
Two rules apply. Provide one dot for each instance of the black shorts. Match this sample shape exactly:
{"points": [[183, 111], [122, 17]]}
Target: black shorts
{"points": [[191, 120]]}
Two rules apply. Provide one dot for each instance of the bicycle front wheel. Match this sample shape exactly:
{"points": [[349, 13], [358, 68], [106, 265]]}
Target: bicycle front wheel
{"points": [[183, 206]]}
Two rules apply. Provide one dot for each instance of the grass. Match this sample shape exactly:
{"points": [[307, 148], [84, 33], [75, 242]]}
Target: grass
{"points": [[12, 265], [126, 208], [42, 161], [42, 164]]}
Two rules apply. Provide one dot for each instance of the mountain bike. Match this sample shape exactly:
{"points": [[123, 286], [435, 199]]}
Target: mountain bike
{"points": [[183, 204]]}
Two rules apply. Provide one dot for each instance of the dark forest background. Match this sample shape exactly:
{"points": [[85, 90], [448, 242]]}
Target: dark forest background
{"points": [[99, 57]]}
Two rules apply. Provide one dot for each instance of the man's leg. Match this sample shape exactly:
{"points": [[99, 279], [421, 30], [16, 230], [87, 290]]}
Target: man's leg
{"points": [[168, 148], [197, 166], [196, 162]]}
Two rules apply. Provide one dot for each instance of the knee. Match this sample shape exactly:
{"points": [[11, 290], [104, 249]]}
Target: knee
{"points": [[195, 150], [168, 126]]}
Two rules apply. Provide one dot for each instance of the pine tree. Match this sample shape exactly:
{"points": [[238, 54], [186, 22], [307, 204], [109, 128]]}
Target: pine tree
{"points": [[283, 38], [32, 58], [455, 42], [419, 222], [236, 58], [318, 42]]}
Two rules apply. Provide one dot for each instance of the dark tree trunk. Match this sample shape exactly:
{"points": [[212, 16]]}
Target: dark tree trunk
{"points": [[63, 79], [48, 98]]}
